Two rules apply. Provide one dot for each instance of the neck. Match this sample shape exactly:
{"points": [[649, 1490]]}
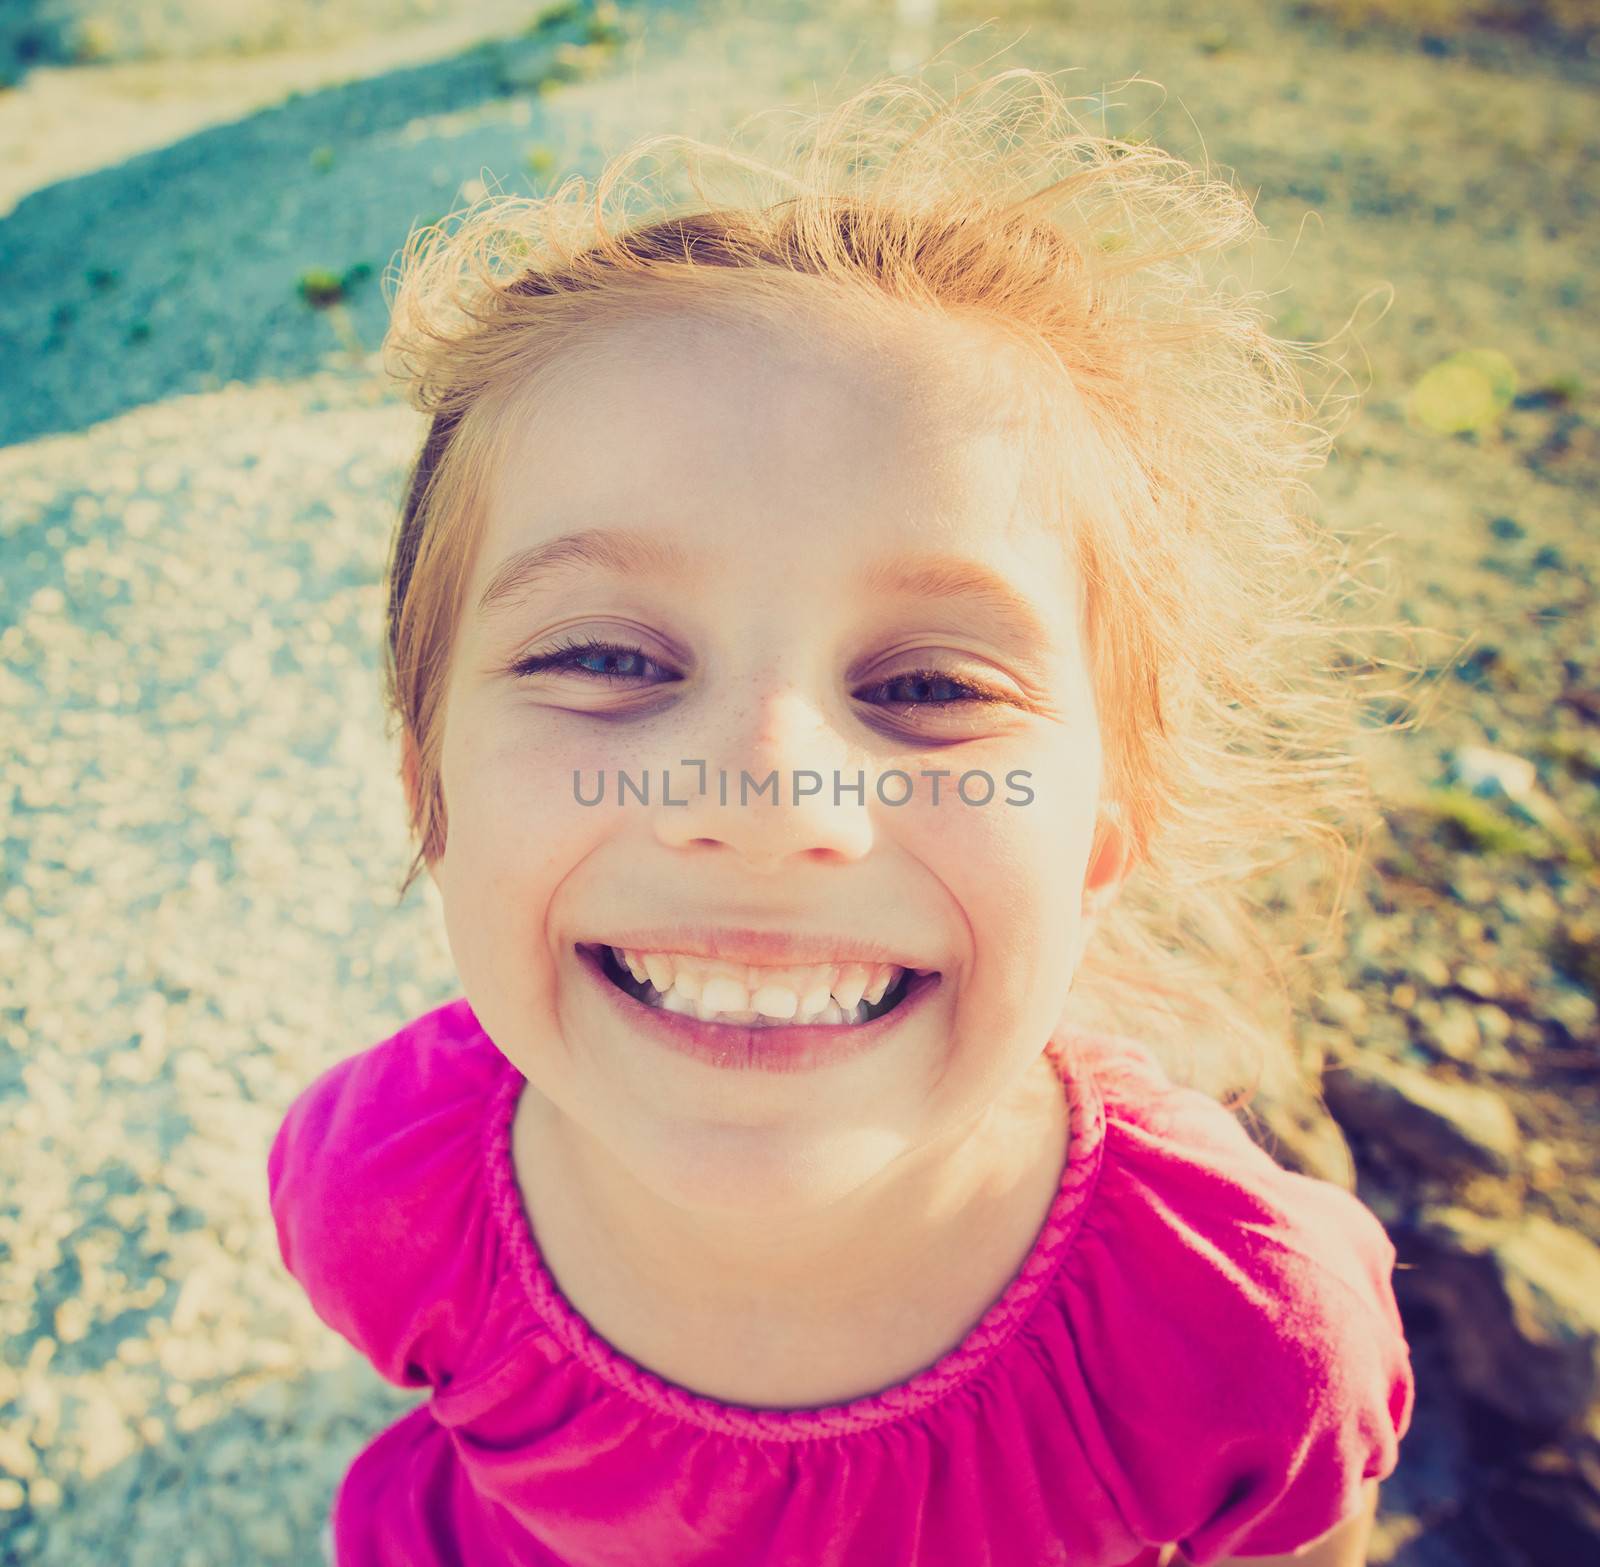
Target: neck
{"points": [[958, 1216]]}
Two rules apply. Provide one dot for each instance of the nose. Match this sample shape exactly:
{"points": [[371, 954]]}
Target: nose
{"points": [[779, 791]]}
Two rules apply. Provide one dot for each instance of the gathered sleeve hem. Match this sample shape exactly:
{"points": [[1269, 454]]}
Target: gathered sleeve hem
{"points": [[376, 1193]]}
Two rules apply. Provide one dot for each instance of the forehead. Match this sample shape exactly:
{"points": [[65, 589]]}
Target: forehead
{"points": [[926, 362], [724, 412]]}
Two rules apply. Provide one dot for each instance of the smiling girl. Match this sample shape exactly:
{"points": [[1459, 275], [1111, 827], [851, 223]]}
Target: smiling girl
{"points": [[905, 552]]}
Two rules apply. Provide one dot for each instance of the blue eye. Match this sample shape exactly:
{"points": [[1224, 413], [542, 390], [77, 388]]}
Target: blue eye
{"points": [[938, 680], [568, 656]]}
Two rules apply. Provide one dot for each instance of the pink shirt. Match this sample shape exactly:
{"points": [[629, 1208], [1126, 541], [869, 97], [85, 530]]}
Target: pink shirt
{"points": [[1200, 1347]]}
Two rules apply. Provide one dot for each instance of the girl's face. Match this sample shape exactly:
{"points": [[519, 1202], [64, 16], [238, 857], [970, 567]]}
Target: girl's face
{"points": [[751, 495]]}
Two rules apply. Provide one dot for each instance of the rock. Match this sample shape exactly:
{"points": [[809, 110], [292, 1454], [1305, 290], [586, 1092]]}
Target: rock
{"points": [[1551, 1498], [1477, 981], [1448, 1129], [1518, 1303], [1451, 1029], [1494, 1024]]}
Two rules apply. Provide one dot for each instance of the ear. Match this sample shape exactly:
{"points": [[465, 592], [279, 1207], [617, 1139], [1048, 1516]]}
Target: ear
{"points": [[1111, 859]]}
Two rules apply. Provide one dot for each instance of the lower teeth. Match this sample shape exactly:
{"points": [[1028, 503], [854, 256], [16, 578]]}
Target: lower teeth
{"points": [[832, 1015]]}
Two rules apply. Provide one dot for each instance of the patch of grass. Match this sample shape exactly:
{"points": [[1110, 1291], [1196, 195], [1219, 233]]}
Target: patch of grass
{"points": [[605, 25], [1468, 821], [322, 159], [545, 77], [541, 160], [95, 42], [553, 16], [320, 288], [573, 62], [602, 21]]}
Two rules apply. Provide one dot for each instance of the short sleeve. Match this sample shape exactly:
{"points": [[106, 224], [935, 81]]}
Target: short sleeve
{"points": [[1240, 1344], [377, 1191]]}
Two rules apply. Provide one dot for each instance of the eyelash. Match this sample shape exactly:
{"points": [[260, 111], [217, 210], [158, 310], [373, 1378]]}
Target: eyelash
{"points": [[564, 656]]}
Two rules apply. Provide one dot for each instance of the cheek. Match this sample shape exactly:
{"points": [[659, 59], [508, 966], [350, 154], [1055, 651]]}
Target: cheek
{"points": [[510, 851], [1006, 848], [1010, 866], [515, 833], [515, 786]]}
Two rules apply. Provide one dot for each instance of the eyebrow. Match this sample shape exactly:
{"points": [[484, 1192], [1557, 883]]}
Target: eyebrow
{"points": [[627, 551], [950, 578], [621, 551]]}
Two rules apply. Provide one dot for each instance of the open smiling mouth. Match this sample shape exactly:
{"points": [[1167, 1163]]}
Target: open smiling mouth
{"points": [[819, 1011]]}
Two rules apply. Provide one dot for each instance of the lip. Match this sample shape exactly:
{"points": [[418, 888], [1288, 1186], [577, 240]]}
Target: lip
{"points": [[769, 948], [734, 1046]]}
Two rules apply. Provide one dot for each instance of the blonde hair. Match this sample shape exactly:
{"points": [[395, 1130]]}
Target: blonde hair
{"points": [[1218, 655]]}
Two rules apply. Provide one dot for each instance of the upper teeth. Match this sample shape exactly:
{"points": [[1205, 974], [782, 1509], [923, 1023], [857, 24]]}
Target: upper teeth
{"points": [[808, 992]]}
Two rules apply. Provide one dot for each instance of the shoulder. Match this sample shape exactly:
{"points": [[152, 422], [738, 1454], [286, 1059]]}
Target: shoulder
{"points": [[367, 1119], [1181, 1167], [1247, 1363], [442, 1057], [376, 1184]]}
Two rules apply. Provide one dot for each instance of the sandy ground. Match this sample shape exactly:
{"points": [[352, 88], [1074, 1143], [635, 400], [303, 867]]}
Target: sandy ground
{"points": [[202, 835]]}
